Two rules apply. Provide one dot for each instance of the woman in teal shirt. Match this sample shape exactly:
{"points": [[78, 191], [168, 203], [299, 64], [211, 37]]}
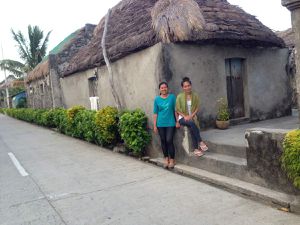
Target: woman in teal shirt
{"points": [[164, 122]]}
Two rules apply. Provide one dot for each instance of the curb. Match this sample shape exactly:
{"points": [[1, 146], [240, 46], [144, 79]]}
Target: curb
{"points": [[282, 201]]}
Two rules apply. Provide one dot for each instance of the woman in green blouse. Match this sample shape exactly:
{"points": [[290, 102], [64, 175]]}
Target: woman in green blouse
{"points": [[187, 106]]}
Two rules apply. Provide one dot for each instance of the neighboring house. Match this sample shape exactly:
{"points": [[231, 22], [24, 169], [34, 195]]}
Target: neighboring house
{"points": [[10, 82], [235, 56], [2, 99], [14, 85], [288, 37], [10, 79], [19, 100], [289, 40], [42, 83]]}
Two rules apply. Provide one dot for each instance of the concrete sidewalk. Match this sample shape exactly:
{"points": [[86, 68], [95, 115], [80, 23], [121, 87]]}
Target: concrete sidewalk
{"points": [[73, 182]]}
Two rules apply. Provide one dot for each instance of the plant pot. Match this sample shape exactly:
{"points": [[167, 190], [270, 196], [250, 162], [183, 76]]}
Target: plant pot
{"points": [[222, 124]]}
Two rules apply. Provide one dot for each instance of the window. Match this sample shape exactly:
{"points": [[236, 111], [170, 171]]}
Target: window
{"points": [[92, 86]]}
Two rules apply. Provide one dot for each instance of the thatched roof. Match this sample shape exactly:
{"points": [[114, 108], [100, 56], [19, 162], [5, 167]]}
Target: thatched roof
{"points": [[63, 52], [41, 70], [130, 30], [288, 37], [174, 20]]}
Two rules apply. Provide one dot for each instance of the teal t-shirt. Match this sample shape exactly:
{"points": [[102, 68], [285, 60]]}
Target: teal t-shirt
{"points": [[165, 110]]}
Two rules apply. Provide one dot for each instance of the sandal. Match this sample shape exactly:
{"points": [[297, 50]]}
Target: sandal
{"points": [[203, 147], [198, 153], [171, 164], [166, 163]]}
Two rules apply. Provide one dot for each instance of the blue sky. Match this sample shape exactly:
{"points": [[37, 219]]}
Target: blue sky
{"points": [[64, 17]]}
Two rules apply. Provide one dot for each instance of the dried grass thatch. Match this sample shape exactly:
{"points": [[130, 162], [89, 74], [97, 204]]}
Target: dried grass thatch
{"points": [[130, 29], [174, 20], [40, 71], [288, 37]]}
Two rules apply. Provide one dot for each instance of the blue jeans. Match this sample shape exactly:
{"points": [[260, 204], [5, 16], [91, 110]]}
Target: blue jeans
{"points": [[195, 132]]}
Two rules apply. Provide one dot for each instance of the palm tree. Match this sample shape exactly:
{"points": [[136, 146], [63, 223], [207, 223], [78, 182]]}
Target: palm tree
{"points": [[31, 51]]}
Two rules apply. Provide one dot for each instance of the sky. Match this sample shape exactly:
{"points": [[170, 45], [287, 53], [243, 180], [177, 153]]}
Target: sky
{"points": [[63, 17]]}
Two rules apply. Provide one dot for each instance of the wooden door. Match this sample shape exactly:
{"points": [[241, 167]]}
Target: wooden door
{"points": [[235, 87]]}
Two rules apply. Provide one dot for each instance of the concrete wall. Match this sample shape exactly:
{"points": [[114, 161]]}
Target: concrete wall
{"points": [[136, 79], [265, 80], [75, 89], [263, 158]]}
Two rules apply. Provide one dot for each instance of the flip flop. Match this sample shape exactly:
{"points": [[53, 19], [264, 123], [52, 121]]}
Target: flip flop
{"points": [[198, 153], [203, 147]]}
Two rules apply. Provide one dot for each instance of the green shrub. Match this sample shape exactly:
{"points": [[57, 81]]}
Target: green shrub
{"points": [[2, 110], [133, 130], [71, 125], [72, 111], [85, 126], [48, 118], [38, 116], [60, 119], [290, 159], [107, 126]]}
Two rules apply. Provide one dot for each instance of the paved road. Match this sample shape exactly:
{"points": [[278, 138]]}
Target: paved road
{"points": [[73, 182]]}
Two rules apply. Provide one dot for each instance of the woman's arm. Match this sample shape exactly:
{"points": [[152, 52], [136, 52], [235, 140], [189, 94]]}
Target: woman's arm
{"points": [[194, 113], [176, 118], [154, 123], [180, 113]]}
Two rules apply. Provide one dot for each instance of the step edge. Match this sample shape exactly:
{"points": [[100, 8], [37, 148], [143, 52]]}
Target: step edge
{"points": [[226, 159], [208, 142]]}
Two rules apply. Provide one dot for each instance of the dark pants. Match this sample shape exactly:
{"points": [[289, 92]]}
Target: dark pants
{"points": [[195, 133], [166, 137]]}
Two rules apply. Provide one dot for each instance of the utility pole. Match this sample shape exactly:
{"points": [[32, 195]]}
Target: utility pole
{"points": [[6, 85]]}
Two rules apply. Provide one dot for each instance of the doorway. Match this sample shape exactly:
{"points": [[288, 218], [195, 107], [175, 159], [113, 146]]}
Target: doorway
{"points": [[235, 87]]}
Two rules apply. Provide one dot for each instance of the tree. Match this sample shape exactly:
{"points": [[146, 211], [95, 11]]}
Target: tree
{"points": [[31, 51]]}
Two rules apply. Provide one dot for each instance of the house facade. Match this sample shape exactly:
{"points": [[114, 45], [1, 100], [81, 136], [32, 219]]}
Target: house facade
{"points": [[235, 57]]}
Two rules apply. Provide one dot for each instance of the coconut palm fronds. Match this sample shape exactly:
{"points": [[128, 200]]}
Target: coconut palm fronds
{"points": [[12, 66]]}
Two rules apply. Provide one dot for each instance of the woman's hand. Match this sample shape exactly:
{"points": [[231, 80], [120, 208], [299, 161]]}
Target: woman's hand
{"points": [[155, 129], [177, 124], [187, 118]]}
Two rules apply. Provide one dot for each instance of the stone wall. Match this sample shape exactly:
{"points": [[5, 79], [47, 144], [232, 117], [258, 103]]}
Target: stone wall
{"points": [[263, 158], [39, 93]]}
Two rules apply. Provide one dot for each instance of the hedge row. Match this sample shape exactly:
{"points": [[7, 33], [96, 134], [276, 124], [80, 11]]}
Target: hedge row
{"points": [[105, 127], [290, 159]]}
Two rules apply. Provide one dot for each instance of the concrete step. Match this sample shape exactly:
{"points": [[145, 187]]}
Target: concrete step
{"points": [[238, 121], [230, 166], [231, 150], [277, 199]]}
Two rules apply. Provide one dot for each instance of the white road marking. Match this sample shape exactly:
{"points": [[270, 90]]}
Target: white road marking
{"points": [[17, 164]]}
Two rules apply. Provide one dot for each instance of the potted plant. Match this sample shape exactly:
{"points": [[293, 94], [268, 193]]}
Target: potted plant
{"points": [[222, 121]]}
